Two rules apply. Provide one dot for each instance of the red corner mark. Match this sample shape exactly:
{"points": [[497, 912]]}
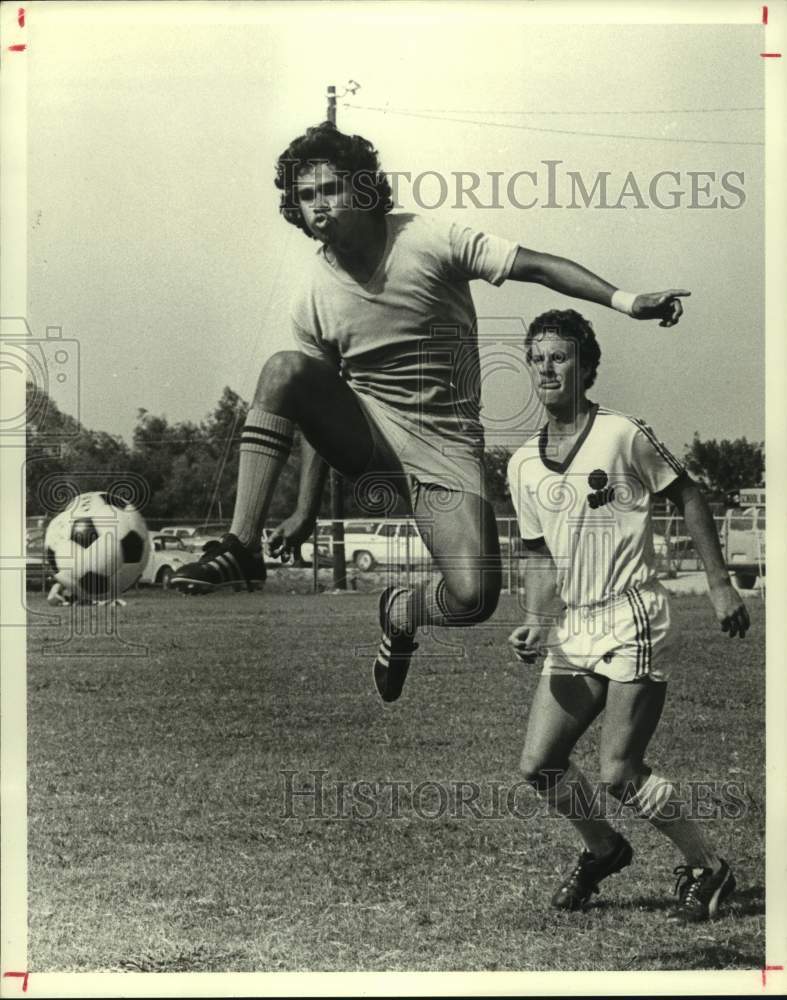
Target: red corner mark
{"points": [[771, 55], [23, 976], [17, 48], [764, 15], [20, 17], [770, 968]]}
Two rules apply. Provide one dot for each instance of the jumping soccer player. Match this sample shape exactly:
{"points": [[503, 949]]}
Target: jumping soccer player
{"points": [[385, 385], [583, 489]]}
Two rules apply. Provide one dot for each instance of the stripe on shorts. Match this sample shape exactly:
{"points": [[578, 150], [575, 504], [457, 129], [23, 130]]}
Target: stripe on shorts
{"points": [[648, 637], [642, 622], [635, 612]]}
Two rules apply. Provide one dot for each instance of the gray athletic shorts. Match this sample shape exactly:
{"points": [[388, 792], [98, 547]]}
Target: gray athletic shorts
{"points": [[405, 456]]}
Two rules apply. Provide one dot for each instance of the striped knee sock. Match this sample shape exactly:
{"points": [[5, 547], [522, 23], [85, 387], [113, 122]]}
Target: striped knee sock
{"points": [[659, 802], [424, 604], [581, 803], [265, 445]]}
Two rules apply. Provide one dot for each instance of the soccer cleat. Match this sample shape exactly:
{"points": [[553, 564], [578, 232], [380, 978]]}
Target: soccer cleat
{"points": [[224, 564], [580, 885], [395, 652], [700, 892]]}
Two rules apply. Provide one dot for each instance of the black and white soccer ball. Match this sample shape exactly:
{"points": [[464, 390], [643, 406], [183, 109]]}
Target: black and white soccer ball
{"points": [[97, 547]]}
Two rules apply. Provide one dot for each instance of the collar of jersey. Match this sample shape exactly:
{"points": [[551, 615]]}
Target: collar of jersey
{"points": [[336, 268], [543, 441]]}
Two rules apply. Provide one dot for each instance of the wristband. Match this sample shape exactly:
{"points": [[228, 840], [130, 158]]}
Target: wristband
{"points": [[623, 302]]}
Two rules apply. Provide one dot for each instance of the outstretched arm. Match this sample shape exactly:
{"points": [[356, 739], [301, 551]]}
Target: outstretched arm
{"points": [[570, 278], [727, 603]]}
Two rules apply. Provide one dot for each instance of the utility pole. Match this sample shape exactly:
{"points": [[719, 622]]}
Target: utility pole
{"points": [[337, 484], [331, 112]]}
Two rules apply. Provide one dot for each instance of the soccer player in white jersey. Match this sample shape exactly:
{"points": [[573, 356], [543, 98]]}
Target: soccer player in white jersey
{"points": [[583, 490], [385, 385]]}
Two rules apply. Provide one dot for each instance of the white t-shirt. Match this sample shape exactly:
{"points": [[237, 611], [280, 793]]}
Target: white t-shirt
{"points": [[593, 510], [408, 336]]}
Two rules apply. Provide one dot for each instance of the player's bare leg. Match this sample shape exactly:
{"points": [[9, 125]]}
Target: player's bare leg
{"points": [[293, 390], [632, 714], [563, 708], [460, 531]]}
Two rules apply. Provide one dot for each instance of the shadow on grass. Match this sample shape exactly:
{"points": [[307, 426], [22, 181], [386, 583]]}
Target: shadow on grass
{"points": [[743, 903]]}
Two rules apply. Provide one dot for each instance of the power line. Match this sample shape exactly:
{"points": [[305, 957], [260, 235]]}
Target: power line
{"points": [[556, 131], [540, 111]]}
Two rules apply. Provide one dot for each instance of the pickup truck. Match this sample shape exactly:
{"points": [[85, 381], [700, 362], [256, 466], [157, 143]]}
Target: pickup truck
{"points": [[743, 538], [370, 544]]}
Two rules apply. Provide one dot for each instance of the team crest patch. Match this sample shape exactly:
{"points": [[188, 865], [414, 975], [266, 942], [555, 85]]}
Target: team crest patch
{"points": [[602, 493]]}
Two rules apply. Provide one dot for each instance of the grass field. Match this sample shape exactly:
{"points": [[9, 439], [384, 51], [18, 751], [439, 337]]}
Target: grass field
{"points": [[158, 834]]}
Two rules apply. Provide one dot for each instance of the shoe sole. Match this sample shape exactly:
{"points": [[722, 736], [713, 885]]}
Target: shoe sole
{"points": [[186, 586]]}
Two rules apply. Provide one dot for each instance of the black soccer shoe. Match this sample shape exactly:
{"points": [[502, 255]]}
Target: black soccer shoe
{"points": [[395, 652], [700, 893], [224, 564], [580, 885]]}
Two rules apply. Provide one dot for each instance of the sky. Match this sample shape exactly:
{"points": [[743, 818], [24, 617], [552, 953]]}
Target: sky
{"points": [[155, 239]]}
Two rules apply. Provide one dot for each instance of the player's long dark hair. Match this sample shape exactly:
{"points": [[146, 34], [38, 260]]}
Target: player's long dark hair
{"points": [[570, 325], [350, 154]]}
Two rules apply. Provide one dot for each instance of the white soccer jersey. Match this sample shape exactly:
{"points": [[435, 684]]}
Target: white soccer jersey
{"points": [[407, 337], [593, 509]]}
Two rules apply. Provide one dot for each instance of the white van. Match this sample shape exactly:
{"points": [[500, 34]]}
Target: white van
{"points": [[743, 538]]}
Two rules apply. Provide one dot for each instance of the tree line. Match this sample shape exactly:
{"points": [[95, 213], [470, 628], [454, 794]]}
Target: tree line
{"points": [[188, 471]]}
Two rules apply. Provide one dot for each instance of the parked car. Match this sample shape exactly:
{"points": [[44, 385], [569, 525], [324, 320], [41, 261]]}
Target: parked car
{"points": [[38, 573], [324, 547], [167, 554], [195, 538], [743, 538], [370, 543], [184, 531]]}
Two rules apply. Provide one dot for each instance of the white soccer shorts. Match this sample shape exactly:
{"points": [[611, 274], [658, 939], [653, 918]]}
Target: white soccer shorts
{"points": [[625, 639]]}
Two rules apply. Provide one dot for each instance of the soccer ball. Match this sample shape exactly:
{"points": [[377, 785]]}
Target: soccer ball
{"points": [[97, 547]]}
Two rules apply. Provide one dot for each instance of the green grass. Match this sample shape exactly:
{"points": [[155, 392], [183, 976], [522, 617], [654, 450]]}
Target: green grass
{"points": [[157, 840]]}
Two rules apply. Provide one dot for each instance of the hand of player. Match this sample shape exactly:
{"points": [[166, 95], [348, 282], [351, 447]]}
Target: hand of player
{"points": [[730, 610], [527, 642], [665, 306], [288, 536]]}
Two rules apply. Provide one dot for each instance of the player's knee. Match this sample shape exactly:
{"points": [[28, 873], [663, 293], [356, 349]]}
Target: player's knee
{"points": [[280, 373], [473, 597], [620, 775], [538, 772]]}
